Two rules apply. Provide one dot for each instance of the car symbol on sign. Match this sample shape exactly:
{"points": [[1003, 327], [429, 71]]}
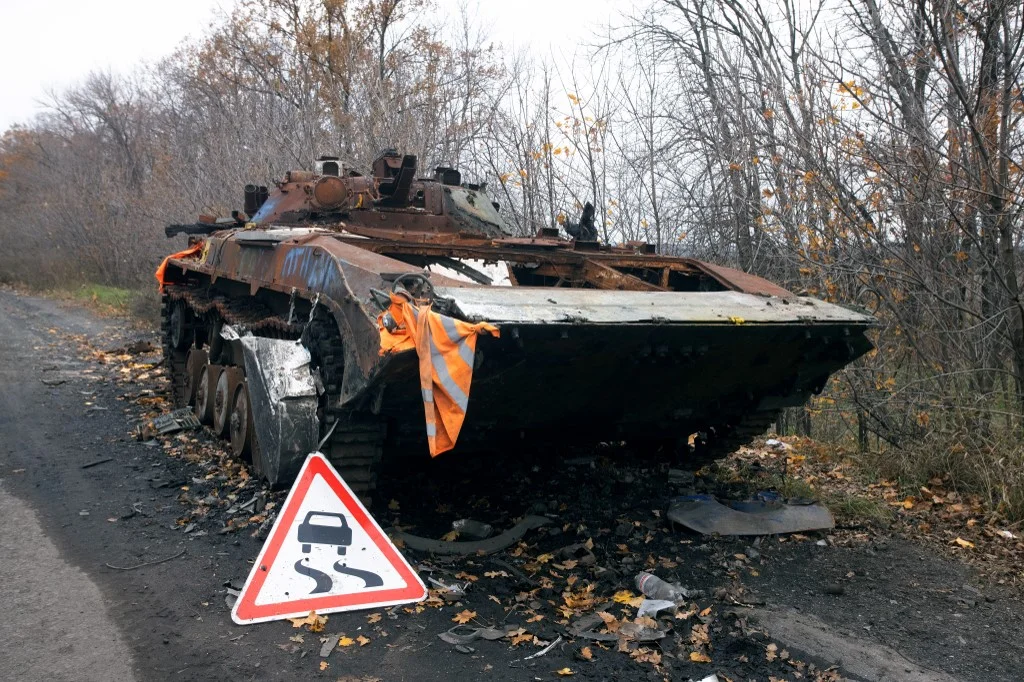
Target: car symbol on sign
{"points": [[334, 532]]}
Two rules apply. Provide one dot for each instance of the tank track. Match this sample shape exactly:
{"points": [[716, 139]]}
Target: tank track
{"points": [[174, 358], [355, 447], [356, 443]]}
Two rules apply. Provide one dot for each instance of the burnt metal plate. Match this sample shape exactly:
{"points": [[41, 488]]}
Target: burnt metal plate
{"points": [[553, 306]]}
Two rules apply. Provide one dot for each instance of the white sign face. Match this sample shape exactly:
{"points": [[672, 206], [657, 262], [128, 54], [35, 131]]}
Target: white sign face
{"points": [[325, 553]]}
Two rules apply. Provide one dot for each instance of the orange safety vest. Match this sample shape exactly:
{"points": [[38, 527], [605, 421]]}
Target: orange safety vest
{"points": [[190, 251], [446, 348]]}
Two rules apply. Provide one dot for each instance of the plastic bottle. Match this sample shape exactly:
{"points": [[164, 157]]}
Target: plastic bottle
{"points": [[655, 588]]}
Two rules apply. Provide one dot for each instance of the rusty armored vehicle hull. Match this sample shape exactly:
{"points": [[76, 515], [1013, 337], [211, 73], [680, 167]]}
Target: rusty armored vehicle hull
{"points": [[597, 343]]}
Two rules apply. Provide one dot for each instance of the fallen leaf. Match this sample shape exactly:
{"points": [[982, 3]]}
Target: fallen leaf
{"points": [[373, 618], [520, 636], [393, 505], [698, 657], [495, 574], [466, 576], [644, 655], [298, 639], [627, 597], [544, 558], [450, 536], [966, 544], [610, 621], [586, 654], [363, 640], [346, 641], [314, 622], [464, 616], [534, 619], [647, 622], [770, 652], [706, 612], [323, 665], [564, 672]]}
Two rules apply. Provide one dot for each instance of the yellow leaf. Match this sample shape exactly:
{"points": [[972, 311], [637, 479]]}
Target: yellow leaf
{"points": [[908, 503], [627, 597], [464, 616], [316, 623], [586, 654], [544, 558], [450, 536], [736, 320], [346, 641], [323, 665], [363, 640], [393, 505], [564, 672], [698, 657], [966, 544]]}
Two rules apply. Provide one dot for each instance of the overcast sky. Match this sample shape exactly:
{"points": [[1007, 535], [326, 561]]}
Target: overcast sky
{"points": [[47, 45]]}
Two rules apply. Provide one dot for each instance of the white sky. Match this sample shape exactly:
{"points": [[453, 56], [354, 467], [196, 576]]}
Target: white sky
{"points": [[47, 45]]}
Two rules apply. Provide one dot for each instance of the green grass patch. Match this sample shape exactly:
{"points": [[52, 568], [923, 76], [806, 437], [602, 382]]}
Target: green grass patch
{"points": [[103, 296]]}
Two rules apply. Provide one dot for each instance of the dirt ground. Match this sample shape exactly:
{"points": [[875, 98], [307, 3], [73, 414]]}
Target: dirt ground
{"points": [[163, 538]]}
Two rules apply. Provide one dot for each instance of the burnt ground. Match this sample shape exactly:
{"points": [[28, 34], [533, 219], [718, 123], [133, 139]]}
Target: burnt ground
{"points": [[861, 602]]}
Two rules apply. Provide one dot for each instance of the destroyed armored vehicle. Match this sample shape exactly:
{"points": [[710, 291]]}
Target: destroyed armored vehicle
{"points": [[429, 327]]}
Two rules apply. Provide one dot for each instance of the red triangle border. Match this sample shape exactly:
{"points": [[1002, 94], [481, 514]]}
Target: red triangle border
{"points": [[247, 611]]}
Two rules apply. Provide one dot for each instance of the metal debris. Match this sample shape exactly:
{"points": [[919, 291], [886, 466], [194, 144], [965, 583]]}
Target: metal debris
{"points": [[172, 422], [765, 515], [489, 546]]}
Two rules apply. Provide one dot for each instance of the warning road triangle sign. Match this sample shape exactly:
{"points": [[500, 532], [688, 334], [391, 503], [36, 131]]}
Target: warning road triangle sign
{"points": [[325, 553]]}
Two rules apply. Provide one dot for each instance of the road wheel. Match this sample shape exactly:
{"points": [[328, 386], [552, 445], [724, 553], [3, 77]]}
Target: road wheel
{"points": [[221, 404], [240, 424], [204, 393], [197, 359]]}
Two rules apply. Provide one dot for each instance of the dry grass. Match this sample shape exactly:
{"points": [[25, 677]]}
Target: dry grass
{"points": [[990, 468]]}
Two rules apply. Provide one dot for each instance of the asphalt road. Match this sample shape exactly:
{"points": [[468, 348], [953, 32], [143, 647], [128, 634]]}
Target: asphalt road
{"points": [[66, 613]]}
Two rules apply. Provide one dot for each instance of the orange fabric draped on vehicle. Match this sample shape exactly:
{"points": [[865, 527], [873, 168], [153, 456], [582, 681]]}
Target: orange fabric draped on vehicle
{"points": [[446, 348], [190, 251]]}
